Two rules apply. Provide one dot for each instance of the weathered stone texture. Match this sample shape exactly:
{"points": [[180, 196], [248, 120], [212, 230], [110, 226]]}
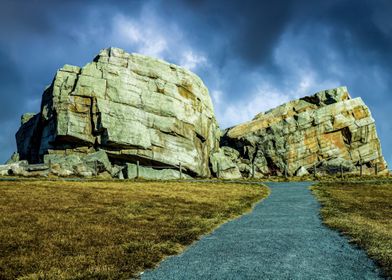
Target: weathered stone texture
{"points": [[132, 106], [122, 108], [227, 161], [150, 173], [328, 129]]}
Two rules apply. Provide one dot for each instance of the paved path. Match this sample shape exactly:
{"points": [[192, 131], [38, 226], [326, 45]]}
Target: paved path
{"points": [[282, 238]]}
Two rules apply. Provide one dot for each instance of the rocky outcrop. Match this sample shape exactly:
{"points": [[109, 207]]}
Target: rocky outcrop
{"points": [[125, 108], [329, 129], [132, 107]]}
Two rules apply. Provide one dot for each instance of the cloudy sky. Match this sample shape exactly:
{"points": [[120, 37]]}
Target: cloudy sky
{"points": [[252, 55]]}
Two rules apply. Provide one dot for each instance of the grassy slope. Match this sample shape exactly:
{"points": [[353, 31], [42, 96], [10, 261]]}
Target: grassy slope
{"points": [[90, 230], [363, 211]]}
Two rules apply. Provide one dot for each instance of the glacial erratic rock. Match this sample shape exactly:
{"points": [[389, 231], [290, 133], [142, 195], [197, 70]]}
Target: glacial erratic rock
{"points": [[328, 129], [132, 106], [122, 108]]}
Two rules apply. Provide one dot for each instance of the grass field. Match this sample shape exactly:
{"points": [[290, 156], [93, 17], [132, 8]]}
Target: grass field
{"points": [[363, 212], [107, 230]]}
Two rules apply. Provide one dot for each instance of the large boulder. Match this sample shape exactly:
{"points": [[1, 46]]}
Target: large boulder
{"points": [[328, 129], [149, 173], [132, 106]]}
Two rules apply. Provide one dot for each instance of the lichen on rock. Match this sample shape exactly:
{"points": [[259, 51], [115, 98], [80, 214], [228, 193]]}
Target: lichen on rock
{"points": [[132, 106], [328, 129], [125, 108]]}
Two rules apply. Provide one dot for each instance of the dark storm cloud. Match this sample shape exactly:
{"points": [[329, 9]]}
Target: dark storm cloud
{"points": [[358, 28], [250, 28], [251, 54], [9, 80]]}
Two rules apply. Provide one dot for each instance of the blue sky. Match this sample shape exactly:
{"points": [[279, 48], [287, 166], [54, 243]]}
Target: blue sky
{"points": [[252, 55]]}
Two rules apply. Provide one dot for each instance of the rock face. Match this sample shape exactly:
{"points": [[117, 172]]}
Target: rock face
{"points": [[132, 107], [329, 130], [122, 108]]}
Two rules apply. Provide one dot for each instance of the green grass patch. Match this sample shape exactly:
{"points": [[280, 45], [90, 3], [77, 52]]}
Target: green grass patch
{"points": [[363, 212], [108, 230]]}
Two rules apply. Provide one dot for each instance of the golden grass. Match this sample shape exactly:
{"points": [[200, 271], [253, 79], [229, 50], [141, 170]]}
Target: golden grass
{"points": [[362, 211], [107, 230]]}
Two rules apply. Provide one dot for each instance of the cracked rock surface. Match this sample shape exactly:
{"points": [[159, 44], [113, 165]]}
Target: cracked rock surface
{"points": [[328, 129], [136, 108], [131, 106]]}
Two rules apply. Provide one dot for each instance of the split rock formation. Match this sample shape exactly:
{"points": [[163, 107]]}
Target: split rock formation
{"points": [[123, 109]]}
